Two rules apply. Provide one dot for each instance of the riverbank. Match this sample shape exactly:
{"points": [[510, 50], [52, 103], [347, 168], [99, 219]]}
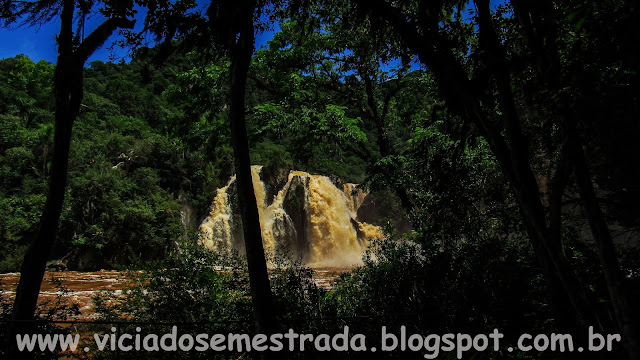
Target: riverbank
{"points": [[75, 287]]}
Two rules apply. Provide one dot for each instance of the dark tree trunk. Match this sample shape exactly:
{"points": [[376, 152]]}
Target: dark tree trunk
{"points": [[382, 137], [68, 83], [241, 54], [33, 266], [68, 94]]}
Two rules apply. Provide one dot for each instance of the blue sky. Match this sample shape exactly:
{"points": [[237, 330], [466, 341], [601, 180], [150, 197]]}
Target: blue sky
{"points": [[39, 42]]}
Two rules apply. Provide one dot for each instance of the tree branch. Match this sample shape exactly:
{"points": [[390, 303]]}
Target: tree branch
{"points": [[98, 36]]}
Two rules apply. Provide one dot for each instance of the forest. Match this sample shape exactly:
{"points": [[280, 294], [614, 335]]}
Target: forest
{"points": [[494, 145]]}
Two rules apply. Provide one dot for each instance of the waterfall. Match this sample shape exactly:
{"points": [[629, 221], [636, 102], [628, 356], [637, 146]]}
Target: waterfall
{"points": [[309, 217], [216, 228], [334, 238]]}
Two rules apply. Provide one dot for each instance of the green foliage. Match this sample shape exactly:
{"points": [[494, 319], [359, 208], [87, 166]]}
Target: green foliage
{"points": [[25, 143], [208, 293], [275, 159], [194, 285], [470, 287], [26, 87], [128, 180]]}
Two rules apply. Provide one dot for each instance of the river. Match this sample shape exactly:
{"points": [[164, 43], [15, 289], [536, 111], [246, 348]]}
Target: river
{"points": [[80, 287]]}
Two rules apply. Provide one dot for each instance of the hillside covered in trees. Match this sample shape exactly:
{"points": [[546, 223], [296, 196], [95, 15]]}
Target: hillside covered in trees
{"points": [[505, 133], [128, 180]]}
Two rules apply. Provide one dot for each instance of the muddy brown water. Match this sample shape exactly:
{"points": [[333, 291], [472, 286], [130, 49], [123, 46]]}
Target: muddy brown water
{"points": [[80, 287]]}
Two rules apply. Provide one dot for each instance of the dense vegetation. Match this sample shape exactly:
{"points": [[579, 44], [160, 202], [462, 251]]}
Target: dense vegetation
{"points": [[507, 132], [128, 178]]}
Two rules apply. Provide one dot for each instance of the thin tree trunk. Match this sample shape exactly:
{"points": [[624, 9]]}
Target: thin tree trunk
{"points": [[33, 266], [68, 93], [241, 54], [68, 85]]}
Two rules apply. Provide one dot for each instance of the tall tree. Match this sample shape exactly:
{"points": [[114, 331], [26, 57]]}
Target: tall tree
{"points": [[233, 27], [73, 52], [74, 48]]}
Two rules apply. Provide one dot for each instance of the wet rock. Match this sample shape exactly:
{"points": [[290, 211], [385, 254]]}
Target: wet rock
{"points": [[295, 204]]}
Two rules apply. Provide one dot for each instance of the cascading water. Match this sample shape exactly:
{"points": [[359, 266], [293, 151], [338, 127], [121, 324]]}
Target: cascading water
{"points": [[216, 228], [335, 240], [309, 217]]}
